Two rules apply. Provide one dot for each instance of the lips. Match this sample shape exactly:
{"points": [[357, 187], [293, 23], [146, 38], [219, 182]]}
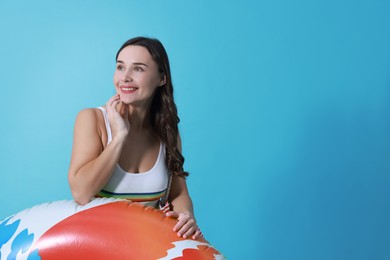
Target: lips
{"points": [[128, 89]]}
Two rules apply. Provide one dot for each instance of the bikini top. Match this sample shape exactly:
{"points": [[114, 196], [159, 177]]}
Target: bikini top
{"points": [[146, 187]]}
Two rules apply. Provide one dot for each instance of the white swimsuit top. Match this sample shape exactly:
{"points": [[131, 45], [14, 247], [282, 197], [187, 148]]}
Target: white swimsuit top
{"points": [[146, 187]]}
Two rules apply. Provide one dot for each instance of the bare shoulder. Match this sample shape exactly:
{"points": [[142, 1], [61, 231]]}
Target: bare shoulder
{"points": [[90, 116], [87, 114], [91, 120]]}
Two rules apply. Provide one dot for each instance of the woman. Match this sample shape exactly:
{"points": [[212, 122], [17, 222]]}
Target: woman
{"points": [[131, 148]]}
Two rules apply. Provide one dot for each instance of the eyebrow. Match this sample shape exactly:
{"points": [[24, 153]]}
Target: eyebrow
{"points": [[135, 63]]}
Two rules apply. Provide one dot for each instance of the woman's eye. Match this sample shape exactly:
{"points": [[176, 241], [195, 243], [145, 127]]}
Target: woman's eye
{"points": [[138, 68], [119, 67]]}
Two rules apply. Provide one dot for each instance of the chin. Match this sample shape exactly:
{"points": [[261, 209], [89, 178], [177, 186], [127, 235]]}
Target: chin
{"points": [[125, 100]]}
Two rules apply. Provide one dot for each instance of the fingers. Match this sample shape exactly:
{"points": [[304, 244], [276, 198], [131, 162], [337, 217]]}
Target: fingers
{"points": [[186, 225], [172, 214], [112, 107], [112, 103], [187, 230], [112, 100], [197, 234], [120, 125]]}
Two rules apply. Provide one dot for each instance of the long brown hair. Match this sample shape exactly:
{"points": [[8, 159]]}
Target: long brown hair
{"points": [[164, 116]]}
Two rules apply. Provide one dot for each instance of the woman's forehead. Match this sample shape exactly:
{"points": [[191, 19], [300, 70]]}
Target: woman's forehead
{"points": [[135, 54]]}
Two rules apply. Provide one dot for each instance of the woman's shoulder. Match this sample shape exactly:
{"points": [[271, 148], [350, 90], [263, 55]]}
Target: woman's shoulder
{"points": [[90, 116], [91, 120]]}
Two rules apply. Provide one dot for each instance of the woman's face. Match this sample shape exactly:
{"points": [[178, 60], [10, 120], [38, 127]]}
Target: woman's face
{"points": [[136, 76]]}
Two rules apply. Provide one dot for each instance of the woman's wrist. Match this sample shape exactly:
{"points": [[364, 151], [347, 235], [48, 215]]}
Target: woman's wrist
{"points": [[119, 138], [186, 212]]}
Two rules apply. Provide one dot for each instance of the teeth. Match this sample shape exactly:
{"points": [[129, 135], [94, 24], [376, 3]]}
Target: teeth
{"points": [[127, 89]]}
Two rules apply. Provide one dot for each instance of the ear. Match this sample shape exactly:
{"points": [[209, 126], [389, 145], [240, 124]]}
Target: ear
{"points": [[163, 80]]}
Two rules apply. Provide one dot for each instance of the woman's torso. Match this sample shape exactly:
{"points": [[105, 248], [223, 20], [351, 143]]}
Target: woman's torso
{"points": [[146, 187]]}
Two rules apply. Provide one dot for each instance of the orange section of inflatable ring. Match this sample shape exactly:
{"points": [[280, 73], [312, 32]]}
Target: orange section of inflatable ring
{"points": [[119, 230]]}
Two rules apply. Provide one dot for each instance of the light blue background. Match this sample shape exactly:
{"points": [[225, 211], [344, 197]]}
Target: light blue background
{"points": [[284, 106]]}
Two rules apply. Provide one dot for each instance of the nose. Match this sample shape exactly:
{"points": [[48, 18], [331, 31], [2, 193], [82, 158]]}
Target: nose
{"points": [[127, 77]]}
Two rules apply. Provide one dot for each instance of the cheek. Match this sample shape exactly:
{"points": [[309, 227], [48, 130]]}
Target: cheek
{"points": [[153, 81]]}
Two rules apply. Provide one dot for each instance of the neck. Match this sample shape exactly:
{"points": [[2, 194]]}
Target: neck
{"points": [[138, 117]]}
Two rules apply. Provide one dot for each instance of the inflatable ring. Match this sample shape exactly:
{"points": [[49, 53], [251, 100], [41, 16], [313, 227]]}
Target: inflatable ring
{"points": [[102, 229]]}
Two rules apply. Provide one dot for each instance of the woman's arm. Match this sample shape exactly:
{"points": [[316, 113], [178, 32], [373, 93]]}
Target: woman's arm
{"points": [[182, 207], [179, 196], [183, 210], [91, 165]]}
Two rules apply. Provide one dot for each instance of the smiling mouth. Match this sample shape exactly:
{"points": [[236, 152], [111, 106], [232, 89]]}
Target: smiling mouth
{"points": [[127, 90]]}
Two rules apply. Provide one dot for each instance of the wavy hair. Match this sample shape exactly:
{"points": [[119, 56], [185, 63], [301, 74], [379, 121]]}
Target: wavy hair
{"points": [[164, 116]]}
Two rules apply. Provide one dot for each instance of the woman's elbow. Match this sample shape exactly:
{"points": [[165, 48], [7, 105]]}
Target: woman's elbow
{"points": [[80, 198]]}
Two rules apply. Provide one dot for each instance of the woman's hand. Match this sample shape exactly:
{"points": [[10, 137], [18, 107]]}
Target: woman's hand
{"points": [[119, 122], [186, 225]]}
